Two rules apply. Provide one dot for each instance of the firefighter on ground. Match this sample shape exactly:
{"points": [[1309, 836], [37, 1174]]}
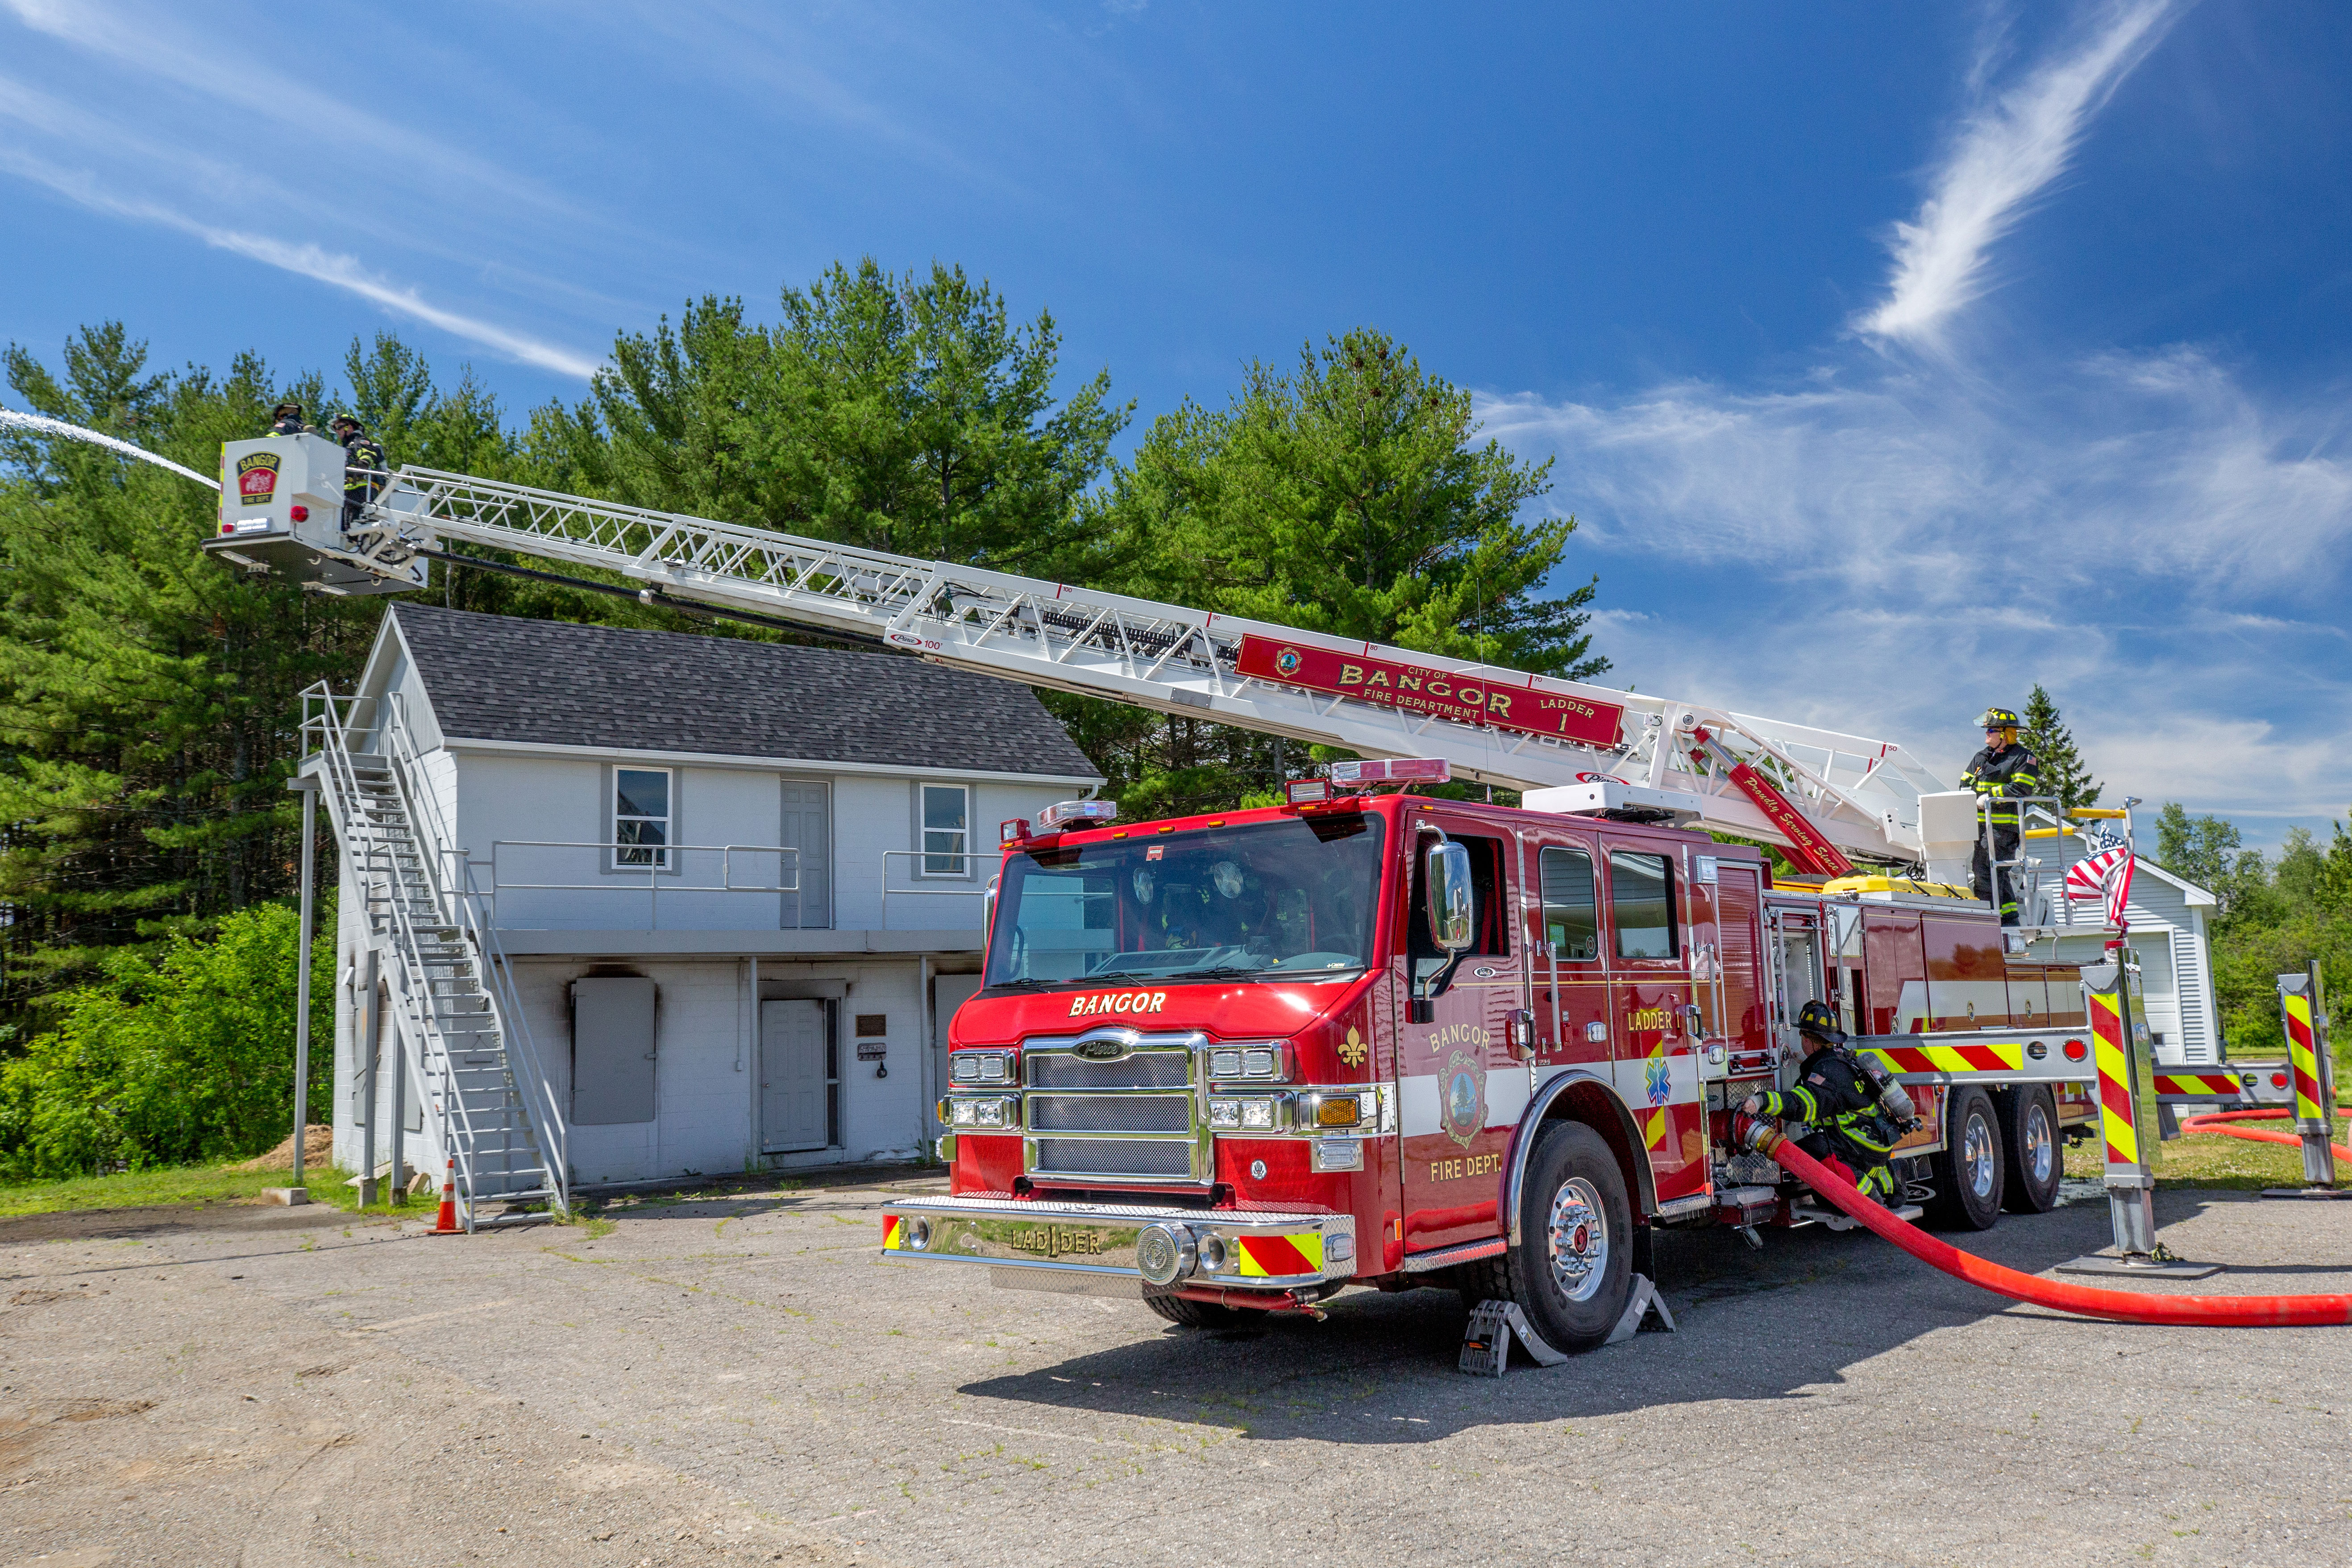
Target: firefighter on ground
{"points": [[1999, 773], [286, 419], [1833, 1097], [363, 466]]}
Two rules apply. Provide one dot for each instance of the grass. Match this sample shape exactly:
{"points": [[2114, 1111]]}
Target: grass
{"points": [[2210, 1160], [177, 1184]]}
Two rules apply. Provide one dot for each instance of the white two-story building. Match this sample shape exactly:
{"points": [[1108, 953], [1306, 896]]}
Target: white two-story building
{"points": [[739, 886]]}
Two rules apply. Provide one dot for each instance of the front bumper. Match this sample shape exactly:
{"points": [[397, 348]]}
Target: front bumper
{"points": [[1089, 1249]]}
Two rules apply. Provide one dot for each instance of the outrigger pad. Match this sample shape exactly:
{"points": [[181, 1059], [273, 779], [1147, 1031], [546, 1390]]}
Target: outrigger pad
{"points": [[1646, 1299]]}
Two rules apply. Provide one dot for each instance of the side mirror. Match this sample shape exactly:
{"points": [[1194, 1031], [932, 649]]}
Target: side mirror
{"points": [[1448, 867]]}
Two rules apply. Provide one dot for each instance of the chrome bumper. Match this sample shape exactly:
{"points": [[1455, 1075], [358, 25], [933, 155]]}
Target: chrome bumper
{"points": [[1089, 1249]]}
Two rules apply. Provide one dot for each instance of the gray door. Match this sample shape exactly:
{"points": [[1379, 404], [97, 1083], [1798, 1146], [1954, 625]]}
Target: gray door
{"points": [[612, 1050], [949, 992], [808, 827], [793, 1099]]}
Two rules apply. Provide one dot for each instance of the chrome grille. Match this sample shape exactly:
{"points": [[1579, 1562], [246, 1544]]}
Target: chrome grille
{"points": [[1113, 1157], [1110, 1113], [1141, 1069]]}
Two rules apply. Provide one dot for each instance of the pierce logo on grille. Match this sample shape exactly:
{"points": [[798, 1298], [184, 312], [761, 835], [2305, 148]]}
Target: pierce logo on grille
{"points": [[1100, 1051]]}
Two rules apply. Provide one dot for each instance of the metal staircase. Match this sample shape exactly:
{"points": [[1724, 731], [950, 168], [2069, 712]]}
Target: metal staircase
{"points": [[476, 1073]]}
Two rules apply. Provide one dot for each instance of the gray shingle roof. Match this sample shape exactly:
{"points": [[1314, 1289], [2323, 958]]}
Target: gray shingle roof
{"points": [[495, 677]]}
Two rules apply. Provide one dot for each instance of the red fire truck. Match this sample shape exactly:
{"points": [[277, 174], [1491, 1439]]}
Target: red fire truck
{"points": [[1236, 1063]]}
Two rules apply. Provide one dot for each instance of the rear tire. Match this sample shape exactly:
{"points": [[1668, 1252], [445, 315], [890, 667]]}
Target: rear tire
{"points": [[1967, 1169], [1572, 1272], [1188, 1314], [2033, 1164]]}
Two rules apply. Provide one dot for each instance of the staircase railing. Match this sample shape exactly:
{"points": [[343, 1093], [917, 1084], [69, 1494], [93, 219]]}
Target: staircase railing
{"points": [[328, 721]]}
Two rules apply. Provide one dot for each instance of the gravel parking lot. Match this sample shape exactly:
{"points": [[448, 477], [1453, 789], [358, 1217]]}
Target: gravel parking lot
{"points": [[741, 1380]]}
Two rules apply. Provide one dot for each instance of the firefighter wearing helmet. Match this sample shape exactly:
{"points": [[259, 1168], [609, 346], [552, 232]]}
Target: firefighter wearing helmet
{"points": [[1851, 1133], [2000, 775]]}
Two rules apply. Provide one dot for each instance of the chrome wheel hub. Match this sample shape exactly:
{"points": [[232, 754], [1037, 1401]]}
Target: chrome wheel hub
{"points": [[1977, 1156], [1577, 1238], [2041, 1148]]}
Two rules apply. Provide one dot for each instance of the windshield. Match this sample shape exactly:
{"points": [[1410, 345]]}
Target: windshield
{"points": [[1284, 898]]}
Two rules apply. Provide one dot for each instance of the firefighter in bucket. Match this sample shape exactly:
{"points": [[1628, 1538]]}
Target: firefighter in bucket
{"points": [[1851, 1131]]}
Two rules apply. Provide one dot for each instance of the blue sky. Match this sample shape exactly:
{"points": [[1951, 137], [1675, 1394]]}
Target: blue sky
{"points": [[1892, 357]]}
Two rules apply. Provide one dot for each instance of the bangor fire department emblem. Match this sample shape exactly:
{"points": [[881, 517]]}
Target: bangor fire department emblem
{"points": [[257, 479], [1464, 1110], [1353, 1048], [1661, 1080], [1287, 661]]}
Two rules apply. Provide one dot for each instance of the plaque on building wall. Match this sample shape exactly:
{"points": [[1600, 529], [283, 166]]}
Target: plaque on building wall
{"points": [[873, 1023]]}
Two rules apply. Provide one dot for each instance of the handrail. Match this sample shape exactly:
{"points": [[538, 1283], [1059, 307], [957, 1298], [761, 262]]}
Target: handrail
{"points": [[655, 871], [971, 858], [498, 976], [329, 718]]}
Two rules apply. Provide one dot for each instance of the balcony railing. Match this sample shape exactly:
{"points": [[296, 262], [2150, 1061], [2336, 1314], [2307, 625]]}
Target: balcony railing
{"points": [[638, 876]]}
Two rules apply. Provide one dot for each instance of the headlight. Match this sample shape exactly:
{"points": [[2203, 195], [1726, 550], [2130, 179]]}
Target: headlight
{"points": [[982, 1113], [1230, 1062], [967, 1113], [981, 1067], [1257, 1115], [1225, 1113], [991, 1112]]}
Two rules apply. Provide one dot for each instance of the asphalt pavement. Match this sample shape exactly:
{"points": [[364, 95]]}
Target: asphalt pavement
{"points": [[740, 1379]]}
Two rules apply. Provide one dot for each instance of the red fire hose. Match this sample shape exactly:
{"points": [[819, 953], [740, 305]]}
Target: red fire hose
{"points": [[2216, 1121], [2123, 1306]]}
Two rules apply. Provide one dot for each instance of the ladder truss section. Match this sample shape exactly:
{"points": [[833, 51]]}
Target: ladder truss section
{"points": [[1859, 793]]}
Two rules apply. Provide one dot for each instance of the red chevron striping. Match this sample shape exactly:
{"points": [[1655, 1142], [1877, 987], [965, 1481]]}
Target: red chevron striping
{"points": [[1984, 1058], [1276, 1255], [1908, 1058], [2115, 1096]]}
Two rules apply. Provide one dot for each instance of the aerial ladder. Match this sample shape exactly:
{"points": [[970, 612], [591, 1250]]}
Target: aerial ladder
{"points": [[1828, 797]]}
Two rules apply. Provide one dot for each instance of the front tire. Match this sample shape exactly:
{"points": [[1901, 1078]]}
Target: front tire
{"points": [[1967, 1171], [1572, 1272], [2029, 1139]]}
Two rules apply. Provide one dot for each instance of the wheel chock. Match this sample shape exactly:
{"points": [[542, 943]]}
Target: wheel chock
{"points": [[1486, 1342], [1646, 1299]]}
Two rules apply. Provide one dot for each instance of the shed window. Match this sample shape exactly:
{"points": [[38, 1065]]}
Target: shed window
{"points": [[947, 812], [1571, 921], [641, 816], [1641, 898]]}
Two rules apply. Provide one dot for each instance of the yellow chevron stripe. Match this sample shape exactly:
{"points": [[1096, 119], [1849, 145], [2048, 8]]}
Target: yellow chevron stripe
{"points": [[2122, 1138], [2306, 1064], [1653, 1130]]}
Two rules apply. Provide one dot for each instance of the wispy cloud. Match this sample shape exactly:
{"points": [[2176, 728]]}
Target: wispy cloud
{"points": [[308, 260], [2004, 154], [158, 43]]}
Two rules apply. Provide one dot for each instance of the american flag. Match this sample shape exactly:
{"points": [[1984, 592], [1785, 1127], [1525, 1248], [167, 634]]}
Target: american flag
{"points": [[2105, 875]]}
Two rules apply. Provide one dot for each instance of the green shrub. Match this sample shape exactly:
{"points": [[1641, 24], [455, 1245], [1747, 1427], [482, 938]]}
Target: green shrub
{"points": [[185, 1059]]}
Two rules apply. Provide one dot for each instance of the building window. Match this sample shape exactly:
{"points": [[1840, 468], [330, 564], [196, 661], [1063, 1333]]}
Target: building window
{"points": [[947, 814], [641, 818]]}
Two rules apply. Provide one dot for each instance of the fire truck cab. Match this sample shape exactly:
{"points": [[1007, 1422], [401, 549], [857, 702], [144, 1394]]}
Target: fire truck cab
{"points": [[1239, 1062]]}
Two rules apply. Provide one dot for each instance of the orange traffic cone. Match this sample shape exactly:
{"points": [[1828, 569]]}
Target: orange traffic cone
{"points": [[446, 1223]]}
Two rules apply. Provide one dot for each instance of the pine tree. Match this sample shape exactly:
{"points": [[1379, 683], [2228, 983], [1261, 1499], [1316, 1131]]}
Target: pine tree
{"points": [[2064, 772]]}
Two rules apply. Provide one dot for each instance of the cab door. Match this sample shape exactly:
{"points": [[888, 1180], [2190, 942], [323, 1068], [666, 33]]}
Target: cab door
{"points": [[1460, 1087], [1573, 1014], [1657, 1043]]}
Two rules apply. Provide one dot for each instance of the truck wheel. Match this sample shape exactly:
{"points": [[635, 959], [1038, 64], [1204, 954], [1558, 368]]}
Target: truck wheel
{"points": [[1967, 1171], [1572, 1271], [1191, 1314], [2028, 1143]]}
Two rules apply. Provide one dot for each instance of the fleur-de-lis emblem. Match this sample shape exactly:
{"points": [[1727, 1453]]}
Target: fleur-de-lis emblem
{"points": [[1352, 1049]]}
